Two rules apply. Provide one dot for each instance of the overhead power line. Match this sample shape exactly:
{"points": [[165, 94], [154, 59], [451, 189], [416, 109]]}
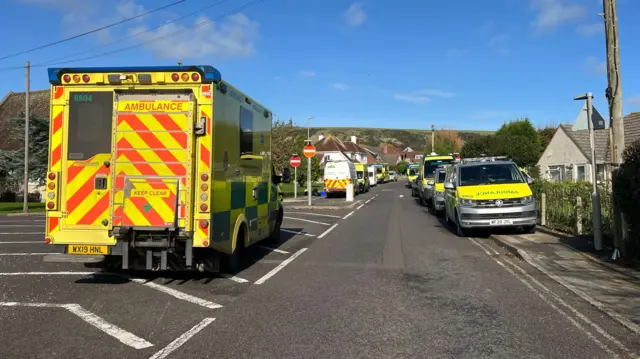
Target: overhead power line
{"points": [[120, 40], [91, 31], [175, 33]]}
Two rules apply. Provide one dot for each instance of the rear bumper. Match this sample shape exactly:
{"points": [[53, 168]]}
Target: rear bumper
{"points": [[335, 190]]}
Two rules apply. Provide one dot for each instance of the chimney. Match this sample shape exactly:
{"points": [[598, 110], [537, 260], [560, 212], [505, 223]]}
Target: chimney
{"points": [[320, 137], [353, 139]]}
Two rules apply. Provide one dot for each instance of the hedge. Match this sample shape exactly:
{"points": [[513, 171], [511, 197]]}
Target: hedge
{"points": [[561, 200]]}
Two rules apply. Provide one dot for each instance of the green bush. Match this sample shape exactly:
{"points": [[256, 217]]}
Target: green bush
{"points": [[627, 192], [561, 203]]}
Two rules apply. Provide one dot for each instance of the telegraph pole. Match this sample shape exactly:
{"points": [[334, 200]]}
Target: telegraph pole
{"points": [[433, 138], [614, 89], [25, 203]]}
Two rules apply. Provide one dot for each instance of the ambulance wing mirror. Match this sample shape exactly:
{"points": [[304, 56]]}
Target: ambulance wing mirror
{"points": [[529, 180], [449, 185], [286, 175]]}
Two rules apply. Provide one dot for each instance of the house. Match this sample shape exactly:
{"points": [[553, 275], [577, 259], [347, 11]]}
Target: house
{"points": [[13, 106], [374, 155], [391, 154], [331, 148], [568, 155]]}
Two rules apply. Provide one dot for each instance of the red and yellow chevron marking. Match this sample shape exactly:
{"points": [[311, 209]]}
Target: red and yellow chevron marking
{"points": [[53, 224], [151, 145], [55, 138], [341, 183], [85, 205]]}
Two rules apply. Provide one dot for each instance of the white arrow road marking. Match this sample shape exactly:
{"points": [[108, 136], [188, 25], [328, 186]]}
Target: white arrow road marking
{"points": [[178, 342]]}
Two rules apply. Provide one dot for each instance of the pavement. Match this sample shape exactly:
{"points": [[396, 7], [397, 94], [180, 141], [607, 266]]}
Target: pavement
{"points": [[382, 279]]}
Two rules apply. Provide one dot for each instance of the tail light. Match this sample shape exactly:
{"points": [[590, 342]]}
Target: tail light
{"points": [[204, 192], [203, 223], [66, 78], [76, 78], [175, 77], [86, 78], [185, 77], [52, 191], [195, 77]]}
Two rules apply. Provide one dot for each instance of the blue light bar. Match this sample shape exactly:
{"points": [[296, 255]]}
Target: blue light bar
{"points": [[209, 73]]}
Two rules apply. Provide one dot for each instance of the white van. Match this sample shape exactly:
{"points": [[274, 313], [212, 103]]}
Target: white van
{"points": [[337, 174], [371, 171]]}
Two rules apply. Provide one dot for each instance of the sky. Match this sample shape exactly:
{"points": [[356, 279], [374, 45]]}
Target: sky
{"points": [[457, 64]]}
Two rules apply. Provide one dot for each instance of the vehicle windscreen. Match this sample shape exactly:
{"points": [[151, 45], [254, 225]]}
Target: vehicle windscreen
{"points": [[413, 171], [441, 176], [431, 166], [360, 174], [489, 174], [378, 169]]}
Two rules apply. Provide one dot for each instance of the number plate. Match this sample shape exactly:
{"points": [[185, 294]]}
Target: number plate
{"points": [[500, 222], [87, 249]]}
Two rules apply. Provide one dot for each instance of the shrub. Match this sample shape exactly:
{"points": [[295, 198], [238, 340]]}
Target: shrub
{"points": [[8, 196], [627, 191]]}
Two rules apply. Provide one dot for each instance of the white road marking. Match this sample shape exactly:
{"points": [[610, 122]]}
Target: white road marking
{"points": [[280, 266], [120, 334], [367, 201], [6, 233], [360, 206], [559, 300], [177, 294], [401, 196], [233, 278], [178, 342], [307, 220], [25, 254], [274, 249], [23, 242], [318, 214], [348, 215], [327, 231], [49, 273], [297, 232]]}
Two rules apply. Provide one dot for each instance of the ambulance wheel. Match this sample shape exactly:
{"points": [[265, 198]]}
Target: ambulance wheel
{"points": [[275, 234], [234, 261], [529, 229], [460, 232]]}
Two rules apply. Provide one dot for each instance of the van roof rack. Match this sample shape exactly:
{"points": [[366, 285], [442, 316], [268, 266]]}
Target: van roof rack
{"points": [[485, 159]]}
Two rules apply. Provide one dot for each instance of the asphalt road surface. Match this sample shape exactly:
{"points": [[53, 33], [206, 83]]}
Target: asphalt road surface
{"points": [[383, 279]]}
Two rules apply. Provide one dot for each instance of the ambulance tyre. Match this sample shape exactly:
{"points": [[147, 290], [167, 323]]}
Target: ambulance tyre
{"points": [[234, 261], [461, 232], [529, 229], [275, 234]]}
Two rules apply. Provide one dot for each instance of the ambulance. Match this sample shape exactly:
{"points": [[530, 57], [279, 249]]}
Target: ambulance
{"points": [[337, 174], [363, 177], [158, 168], [412, 173], [426, 173], [371, 171]]}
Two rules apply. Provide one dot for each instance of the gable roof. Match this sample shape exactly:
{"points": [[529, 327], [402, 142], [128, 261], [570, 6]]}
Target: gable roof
{"points": [[332, 143], [631, 128], [12, 106], [389, 149], [582, 140]]}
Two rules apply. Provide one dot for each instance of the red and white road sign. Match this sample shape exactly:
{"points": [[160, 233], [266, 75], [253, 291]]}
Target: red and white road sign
{"points": [[295, 161], [309, 151]]}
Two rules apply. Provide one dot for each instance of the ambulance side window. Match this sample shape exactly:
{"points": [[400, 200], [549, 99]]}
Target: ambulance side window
{"points": [[90, 118], [246, 131]]}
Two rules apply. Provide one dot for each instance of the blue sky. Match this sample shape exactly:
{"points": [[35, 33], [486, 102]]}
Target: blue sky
{"points": [[459, 64]]}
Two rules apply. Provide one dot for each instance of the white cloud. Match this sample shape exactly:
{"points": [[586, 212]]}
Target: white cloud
{"points": [[355, 16], [634, 100], [232, 37], [499, 43], [592, 29], [489, 114], [553, 13], [307, 73], [422, 96], [340, 86], [594, 66]]}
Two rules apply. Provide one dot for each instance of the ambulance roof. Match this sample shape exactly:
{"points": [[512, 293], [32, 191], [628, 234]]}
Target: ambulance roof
{"points": [[209, 73]]}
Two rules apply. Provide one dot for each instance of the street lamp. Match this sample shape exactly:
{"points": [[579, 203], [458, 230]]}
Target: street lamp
{"points": [[595, 196]]}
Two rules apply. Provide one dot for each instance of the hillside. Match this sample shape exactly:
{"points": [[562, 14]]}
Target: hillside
{"points": [[374, 136]]}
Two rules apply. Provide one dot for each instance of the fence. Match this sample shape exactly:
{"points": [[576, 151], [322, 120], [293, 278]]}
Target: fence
{"points": [[568, 206]]}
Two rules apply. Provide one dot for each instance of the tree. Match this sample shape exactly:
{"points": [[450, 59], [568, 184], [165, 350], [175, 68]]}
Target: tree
{"points": [[478, 146], [284, 143], [446, 141], [519, 141], [12, 162], [545, 135], [316, 171], [401, 167]]}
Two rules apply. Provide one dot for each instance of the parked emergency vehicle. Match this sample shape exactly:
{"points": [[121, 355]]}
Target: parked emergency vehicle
{"points": [[363, 177], [426, 173], [337, 174], [158, 168], [371, 171]]}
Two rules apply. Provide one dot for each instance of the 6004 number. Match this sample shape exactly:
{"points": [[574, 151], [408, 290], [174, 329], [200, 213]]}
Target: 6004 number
{"points": [[83, 98]]}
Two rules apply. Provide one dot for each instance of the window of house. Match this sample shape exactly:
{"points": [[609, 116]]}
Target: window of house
{"points": [[246, 131], [581, 173], [556, 173], [601, 174]]}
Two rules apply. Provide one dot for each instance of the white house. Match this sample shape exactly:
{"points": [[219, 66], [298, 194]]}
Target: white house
{"points": [[332, 148]]}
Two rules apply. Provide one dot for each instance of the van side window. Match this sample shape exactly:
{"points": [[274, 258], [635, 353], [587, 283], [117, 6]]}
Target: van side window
{"points": [[246, 131], [90, 117]]}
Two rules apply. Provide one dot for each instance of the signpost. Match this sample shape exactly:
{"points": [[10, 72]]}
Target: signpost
{"points": [[295, 161], [309, 151]]}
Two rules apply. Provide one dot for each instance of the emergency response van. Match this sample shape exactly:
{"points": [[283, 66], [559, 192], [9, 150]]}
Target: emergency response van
{"points": [[337, 174], [412, 173], [363, 177], [426, 172], [487, 193], [371, 170], [437, 189], [161, 167]]}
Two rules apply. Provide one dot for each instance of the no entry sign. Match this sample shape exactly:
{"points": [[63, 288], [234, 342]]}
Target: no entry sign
{"points": [[309, 151], [295, 161]]}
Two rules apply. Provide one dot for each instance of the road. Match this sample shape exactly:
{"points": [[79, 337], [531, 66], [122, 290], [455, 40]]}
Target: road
{"points": [[383, 279]]}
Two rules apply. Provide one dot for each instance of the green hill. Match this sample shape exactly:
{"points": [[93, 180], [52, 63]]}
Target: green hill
{"points": [[401, 138]]}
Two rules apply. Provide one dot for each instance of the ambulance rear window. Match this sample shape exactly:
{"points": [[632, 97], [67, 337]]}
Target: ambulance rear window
{"points": [[90, 118]]}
